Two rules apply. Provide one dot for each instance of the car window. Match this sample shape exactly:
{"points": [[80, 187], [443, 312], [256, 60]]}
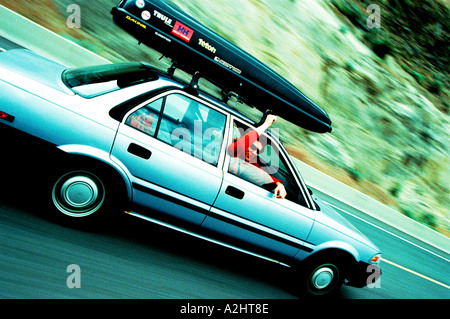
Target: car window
{"points": [[192, 127], [96, 80], [145, 119], [268, 166]]}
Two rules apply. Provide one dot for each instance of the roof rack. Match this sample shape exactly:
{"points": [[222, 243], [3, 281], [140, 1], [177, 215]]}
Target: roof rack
{"points": [[193, 86]]}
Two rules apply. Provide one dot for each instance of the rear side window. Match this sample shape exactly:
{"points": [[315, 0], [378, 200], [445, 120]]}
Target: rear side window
{"points": [[186, 124], [96, 80], [192, 127]]}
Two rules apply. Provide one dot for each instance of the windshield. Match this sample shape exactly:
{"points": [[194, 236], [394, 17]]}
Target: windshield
{"points": [[100, 79]]}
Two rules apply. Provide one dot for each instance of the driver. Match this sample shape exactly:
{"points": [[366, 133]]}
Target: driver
{"points": [[244, 163]]}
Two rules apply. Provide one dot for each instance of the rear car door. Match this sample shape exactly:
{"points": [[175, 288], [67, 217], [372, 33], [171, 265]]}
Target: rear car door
{"points": [[249, 212], [172, 145]]}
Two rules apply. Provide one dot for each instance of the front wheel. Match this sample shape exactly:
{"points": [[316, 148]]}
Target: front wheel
{"points": [[321, 278]]}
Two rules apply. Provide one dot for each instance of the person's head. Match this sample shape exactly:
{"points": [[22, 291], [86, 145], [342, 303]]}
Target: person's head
{"points": [[256, 147]]}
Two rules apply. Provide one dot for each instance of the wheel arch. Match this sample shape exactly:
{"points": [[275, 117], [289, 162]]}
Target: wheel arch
{"points": [[95, 156], [333, 253], [330, 257], [335, 250]]}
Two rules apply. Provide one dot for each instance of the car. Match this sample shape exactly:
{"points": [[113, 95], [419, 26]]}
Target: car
{"points": [[128, 137]]}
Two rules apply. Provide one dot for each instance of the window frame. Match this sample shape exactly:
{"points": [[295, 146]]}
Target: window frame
{"points": [[303, 189]]}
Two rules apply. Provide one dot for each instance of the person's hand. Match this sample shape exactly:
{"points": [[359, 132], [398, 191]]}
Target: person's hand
{"points": [[280, 191], [270, 119]]}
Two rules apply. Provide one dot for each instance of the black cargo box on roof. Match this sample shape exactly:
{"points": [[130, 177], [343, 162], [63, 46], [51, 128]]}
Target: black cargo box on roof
{"points": [[195, 48]]}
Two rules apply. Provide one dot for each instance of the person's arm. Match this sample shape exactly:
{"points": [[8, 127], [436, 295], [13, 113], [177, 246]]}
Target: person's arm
{"points": [[270, 119], [241, 145], [280, 190], [237, 148]]}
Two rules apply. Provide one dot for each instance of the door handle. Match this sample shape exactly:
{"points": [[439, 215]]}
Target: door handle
{"points": [[139, 151], [234, 192]]}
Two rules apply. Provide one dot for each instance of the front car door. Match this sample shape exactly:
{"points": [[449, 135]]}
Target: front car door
{"points": [[172, 146], [249, 212]]}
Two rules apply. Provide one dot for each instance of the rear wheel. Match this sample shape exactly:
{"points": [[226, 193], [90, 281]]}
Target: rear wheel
{"points": [[79, 194]]}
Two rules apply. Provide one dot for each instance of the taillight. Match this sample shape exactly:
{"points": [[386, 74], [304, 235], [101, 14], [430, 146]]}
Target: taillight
{"points": [[6, 117]]}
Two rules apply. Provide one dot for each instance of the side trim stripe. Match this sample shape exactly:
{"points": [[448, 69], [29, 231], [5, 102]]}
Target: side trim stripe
{"points": [[260, 231], [170, 198], [221, 218]]}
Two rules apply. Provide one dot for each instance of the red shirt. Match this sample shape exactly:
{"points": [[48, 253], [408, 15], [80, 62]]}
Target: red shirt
{"points": [[240, 149]]}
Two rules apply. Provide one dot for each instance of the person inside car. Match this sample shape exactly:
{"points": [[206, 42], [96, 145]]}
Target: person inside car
{"points": [[244, 163]]}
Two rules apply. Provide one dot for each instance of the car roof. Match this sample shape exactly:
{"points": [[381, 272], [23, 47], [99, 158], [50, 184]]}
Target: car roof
{"points": [[177, 81]]}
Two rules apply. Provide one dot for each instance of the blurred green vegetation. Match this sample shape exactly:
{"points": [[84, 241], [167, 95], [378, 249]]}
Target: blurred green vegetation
{"points": [[415, 31]]}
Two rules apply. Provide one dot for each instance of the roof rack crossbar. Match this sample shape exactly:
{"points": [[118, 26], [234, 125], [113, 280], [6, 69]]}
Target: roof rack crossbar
{"points": [[173, 67]]}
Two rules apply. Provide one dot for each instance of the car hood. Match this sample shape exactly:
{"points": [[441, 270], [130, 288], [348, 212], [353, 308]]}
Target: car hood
{"points": [[35, 67]]}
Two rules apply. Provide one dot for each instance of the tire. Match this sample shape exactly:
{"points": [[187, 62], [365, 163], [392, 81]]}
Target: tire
{"points": [[321, 277], [80, 197]]}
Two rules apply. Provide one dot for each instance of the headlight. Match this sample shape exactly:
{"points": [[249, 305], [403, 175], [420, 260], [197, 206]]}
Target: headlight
{"points": [[376, 259]]}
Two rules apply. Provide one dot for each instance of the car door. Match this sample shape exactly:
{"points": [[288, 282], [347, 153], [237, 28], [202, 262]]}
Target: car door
{"points": [[249, 212], [172, 147]]}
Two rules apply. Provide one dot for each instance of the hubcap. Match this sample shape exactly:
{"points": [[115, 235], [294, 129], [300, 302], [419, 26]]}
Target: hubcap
{"points": [[78, 194], [322, 278]]}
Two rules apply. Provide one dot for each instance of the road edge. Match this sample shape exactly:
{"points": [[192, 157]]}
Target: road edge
{"points": [[50, 44], [370, 206]]}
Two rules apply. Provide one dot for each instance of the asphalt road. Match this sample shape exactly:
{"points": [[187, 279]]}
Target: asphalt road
{"points": [[129, 258], [411, 268]]}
